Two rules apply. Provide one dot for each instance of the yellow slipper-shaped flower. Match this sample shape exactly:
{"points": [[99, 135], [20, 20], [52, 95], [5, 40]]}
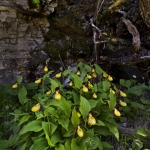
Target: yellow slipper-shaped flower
{"points": [[15, 86], [122, 103], [36, 107], [91, 120], [123, 94], [80, 132], [38, 81], [117, 113], [85, 89], [45, 69], [57, 96], [58, 75]]}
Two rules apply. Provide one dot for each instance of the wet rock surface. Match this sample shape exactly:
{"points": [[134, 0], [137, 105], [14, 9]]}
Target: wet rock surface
{"points": [[20, 36]]}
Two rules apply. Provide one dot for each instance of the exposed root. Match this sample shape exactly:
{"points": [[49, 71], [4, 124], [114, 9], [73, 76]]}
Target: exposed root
{"points": [[136, 36]]}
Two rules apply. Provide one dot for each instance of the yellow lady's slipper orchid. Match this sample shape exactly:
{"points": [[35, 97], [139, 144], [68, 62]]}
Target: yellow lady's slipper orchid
{"points": [[91, 120], [117, 113], [110, 78], [112, 91], [70, 83], [105, 75], [89, 76], [93, 70], [78, 114], [94, 75], [108, 102], [122, 94], [122, 103], [90, 85], [15, 86], [85, 89], [78, 73], [58, 75], [45, 69], [94, 95], [80, 132], [48, 92], [38, 81], [57, 95], [36, 107]]}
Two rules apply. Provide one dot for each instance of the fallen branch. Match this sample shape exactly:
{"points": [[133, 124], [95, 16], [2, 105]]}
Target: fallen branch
{"points": [[126, 60]]}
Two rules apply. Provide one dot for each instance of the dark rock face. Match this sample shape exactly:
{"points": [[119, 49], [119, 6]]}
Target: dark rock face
{"points": [[21, 35]]}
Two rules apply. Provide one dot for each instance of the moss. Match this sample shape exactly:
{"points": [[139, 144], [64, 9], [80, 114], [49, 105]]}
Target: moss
{"points": [[67, 35], [34, 3]]}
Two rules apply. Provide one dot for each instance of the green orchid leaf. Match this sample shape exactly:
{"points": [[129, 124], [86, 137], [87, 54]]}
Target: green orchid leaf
{"points": [[84, 106]]}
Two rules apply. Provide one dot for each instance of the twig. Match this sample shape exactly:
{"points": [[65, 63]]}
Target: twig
{"points": [[95, 28], [61, 61], [99, 6], [143, 57], [122, 12]]}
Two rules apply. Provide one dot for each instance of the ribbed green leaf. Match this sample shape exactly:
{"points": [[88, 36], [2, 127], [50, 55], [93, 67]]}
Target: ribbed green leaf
{"points": [[34, 126], [40, 144], [24, 119], [93, 103], [106, 145], [47, 74], [113, 129], [84, 106], [141, 131], [60, 147], [56, 137], [63, 104], [75, 145], [68, 144], [106, 85], [100, 123], [100, 146], [19, 80], [22, 95], [51, 111], [48, 127], [74, 118], [68, 71], [112, 103], [54, 85], [23, 147], [76, 80], [98, 69], [64, 121]]}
